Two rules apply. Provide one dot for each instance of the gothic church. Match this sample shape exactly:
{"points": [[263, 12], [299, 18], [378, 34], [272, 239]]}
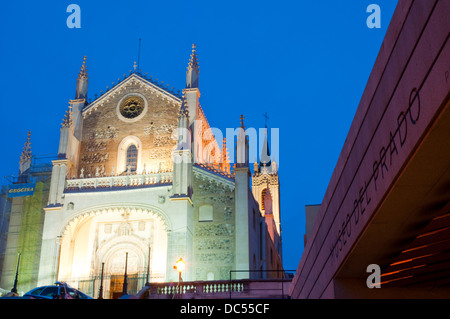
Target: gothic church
{"points": [[136, 178]]}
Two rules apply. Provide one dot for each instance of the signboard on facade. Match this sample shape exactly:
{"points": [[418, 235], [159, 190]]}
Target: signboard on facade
{"points": [[20, 190]]}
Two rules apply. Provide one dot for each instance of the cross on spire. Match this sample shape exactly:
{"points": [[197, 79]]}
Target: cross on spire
{"points": [[266, 118]]}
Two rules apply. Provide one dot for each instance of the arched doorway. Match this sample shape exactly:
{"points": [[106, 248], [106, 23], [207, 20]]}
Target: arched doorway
{"points": [[103, 237], [115, 266], [125, 251]]}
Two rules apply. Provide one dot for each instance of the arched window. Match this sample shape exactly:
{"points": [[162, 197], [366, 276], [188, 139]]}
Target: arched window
{"points": [[132, 154], [263, 197], [129, 155]]}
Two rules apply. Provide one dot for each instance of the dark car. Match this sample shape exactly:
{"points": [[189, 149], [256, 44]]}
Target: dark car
{"points": [[59, 290]]}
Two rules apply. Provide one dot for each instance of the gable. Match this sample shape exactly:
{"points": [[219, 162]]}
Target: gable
{"points": [[133, 82], [107, 127]]}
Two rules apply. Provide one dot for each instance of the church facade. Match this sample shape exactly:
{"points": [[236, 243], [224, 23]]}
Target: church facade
{"points": [[139, 182]]}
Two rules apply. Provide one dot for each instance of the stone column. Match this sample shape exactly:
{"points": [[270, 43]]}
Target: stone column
{"points": [[242, 258], [53, 184], [50, 249]]}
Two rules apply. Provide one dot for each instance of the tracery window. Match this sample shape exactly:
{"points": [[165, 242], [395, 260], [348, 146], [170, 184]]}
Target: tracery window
{"points": [[132, 154]]}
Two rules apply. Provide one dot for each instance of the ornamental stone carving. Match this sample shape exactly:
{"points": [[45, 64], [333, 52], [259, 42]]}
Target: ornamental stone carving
{"points": [[94, 158], [158, 129], [94, 146], [102, 133], [160, 153], [163, 140]]}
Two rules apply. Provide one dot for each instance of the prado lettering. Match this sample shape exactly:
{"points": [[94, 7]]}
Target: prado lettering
{"points": [[391, 179], [381, 168]]}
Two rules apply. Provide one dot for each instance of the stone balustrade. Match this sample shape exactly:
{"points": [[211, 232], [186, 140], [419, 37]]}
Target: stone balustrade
{"points": [[224, 289], [118, 182]]}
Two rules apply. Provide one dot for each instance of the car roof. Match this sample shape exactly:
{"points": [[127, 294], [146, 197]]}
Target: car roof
{"points": [[58, 284]]}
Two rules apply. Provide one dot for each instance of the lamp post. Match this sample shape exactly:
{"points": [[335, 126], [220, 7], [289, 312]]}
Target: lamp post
{"points": [[179, 266], [14, 289], [100, 293], [125, 281], [147, 283]]}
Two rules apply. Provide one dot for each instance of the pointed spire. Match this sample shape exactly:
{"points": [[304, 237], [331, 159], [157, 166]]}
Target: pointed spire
{"points": [[83, 72], [224, 150], [67, 120], [255, 167], [225, 159], [192, 73], [265, 160], [266, 117], [25, 157], [26, 153], [193, 62], [183, 142], [82, 82], [184, 110], [242, 147]]}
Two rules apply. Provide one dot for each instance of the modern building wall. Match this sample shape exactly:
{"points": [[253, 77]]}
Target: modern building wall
{"points": [[392, 175]]}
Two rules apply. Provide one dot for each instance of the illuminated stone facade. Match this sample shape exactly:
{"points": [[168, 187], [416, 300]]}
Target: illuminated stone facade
{"points": [[138, 180]]}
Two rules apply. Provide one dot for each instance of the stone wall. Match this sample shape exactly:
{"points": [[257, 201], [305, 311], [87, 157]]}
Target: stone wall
{"points": [[214, 243], [104, 130]]}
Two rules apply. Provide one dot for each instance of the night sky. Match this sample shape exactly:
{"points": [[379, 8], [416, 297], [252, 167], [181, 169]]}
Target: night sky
{"points": [[305, 63]]}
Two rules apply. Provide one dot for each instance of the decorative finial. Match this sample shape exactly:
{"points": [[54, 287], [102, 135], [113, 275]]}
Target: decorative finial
{"points": [[83, 72], [242, 120], [135, 66], [184, 111], [193, 62], [67, 120], [192, 73], [224, 150], [26, 153], [266, 117]]}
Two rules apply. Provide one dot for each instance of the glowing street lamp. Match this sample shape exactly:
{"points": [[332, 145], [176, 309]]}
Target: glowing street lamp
{"points": [[179, 266]]}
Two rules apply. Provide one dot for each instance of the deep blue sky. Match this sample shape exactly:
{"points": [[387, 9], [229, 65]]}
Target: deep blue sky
{"points": [[305, 63]]}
